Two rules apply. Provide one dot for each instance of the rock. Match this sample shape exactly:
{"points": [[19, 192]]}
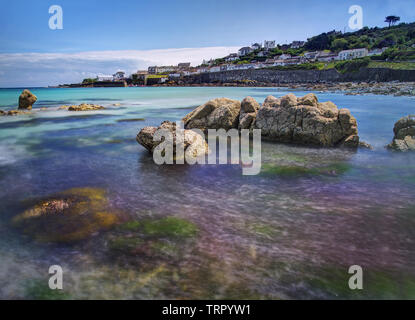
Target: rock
{"points": [[26, 100], [82, 107], [404, 135], [194, 144], [220, 113], [306, 121], [365, 145], [14, 113], [247, 116], [68, 216]]}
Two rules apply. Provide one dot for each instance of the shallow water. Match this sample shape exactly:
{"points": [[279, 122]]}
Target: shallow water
{"points": [[290, 232]]}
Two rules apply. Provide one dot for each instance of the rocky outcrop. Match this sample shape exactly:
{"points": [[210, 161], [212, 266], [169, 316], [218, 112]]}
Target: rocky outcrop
{"points": [[193, 143], [68, 216], [82, 107], [13, 112], [404, 135], [306, 121], [221, 113], [249, 110], [26, 100]]}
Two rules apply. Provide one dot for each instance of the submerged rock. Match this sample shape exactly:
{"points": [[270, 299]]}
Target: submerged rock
{"points": [[82, 107], [193, 143], [26, 100], [13, 112], [221, 113], [306, 121], [68, 216], [404, 135]]}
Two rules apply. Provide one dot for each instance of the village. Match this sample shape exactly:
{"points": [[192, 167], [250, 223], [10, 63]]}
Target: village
{"points": [[256, 56]]}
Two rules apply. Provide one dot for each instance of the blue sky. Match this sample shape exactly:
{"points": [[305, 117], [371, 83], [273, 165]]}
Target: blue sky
{"points": [[209, 28]]}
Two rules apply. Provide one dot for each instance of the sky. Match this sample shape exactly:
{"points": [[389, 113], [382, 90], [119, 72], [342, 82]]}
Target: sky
{"points": [[101, 37]]}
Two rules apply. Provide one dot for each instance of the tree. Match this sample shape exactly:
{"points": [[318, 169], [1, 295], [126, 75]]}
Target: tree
{"points": [[392, 20], [339, 44]]}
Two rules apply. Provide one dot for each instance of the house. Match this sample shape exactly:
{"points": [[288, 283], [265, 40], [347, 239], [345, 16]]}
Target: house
{"points": [[119, 75], [256, 46], [184, 65], [311, 55], [231, 57], [263, 53], [174, 75], [152, 70], [214, 69], [297, 44], [293, 60], [284, 56], [139, 75], [208, 62], [104, 78], [324, 56], [269, 44], [244, 51], [353, 54]]}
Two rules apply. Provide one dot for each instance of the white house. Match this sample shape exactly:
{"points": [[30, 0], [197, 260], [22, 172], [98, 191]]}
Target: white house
{"points": [[244, 51], [214, 69], [311, 55], [284, 56], [269, 44], [256, 46], [353, 54], [231, 57], [297, 44]]}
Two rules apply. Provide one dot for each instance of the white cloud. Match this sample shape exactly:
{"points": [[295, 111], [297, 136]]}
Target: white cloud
{"points": [[42, 69]]}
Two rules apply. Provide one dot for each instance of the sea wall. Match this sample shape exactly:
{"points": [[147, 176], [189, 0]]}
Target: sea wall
{"points": [[302, 76]]}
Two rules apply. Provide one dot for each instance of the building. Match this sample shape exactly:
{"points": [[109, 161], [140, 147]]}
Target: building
{"points": [[231, 57], [256, 46], [284, 56], [244, 51], [214, 69], [184, 65], [152, 70], [269, 44], [324, 56], [297, 44], [311, 55], [353, 54], [119, 75]]}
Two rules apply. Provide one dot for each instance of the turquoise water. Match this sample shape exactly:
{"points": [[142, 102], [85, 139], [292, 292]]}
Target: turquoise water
{"points": [[290, 232]]}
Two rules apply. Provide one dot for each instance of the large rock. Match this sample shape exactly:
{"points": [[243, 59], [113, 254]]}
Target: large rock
{"points": [[26, 100], [306, 121], [221, 113], [68, 216], [247, 116], [404, 134], [194, 144], [82, 107]]}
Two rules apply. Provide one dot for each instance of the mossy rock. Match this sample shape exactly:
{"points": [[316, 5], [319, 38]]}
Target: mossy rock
{"points": [[39, 290], [68, 216], [169, 227], [172, 227]]}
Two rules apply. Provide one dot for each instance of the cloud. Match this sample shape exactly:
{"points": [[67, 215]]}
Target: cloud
{"points": [[43, 69]]}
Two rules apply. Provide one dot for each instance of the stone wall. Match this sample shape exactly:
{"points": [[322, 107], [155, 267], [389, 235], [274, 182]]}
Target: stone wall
{"points": [[302, 76]]}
